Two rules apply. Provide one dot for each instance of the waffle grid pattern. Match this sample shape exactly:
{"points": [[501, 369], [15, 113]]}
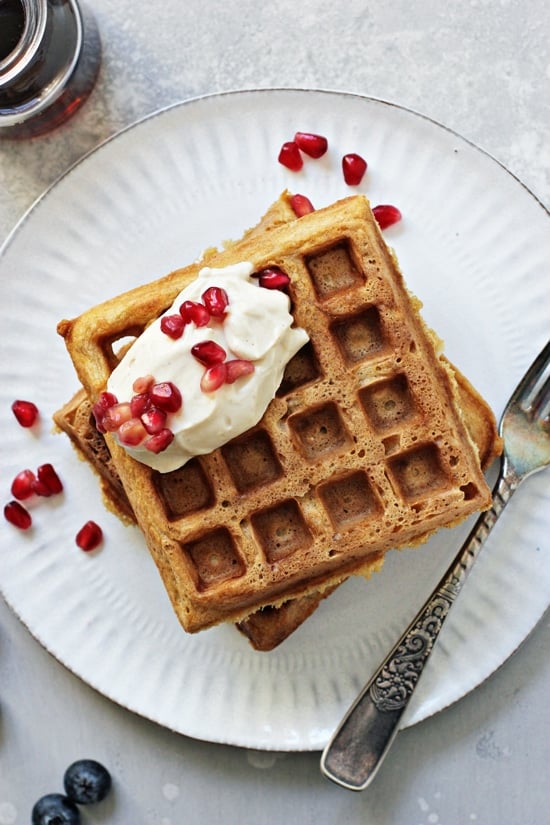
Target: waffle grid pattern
{"points": [[363, 448]]}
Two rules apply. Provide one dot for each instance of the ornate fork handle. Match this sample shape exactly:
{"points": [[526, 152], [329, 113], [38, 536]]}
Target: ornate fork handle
{"points": [[358, 747]]}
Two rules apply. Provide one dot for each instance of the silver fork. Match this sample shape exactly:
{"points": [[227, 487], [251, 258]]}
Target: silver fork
{"points": [[357, 749]]}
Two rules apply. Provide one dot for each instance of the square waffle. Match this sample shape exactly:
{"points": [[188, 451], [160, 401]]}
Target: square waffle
{"points": [[269, 626], [364, 447]]}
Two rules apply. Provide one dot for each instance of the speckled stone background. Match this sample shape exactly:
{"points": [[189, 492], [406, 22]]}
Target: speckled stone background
{"points": [[482, 67]]}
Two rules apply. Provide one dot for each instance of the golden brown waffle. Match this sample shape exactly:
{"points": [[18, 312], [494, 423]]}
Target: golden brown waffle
{"points": [[268, 627], [364, 448], [75, 418]]}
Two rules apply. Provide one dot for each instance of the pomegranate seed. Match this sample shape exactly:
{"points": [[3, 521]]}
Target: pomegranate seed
{"points": [[41, 489], [194, 312], [140, 403], [160, 441], [172, 325], [237, 369], [290, 156], [131, 432], [154, 420], [301, 205], [166, 396], [208, 353], [103, 403], [117, 415], [143, 384], [272, 278], [22, 485], [216, 301], [386, 215], [213, 378], [17, 515], [353, 167], [26, 412], [89, 536], [313, 145], [48, 476]]}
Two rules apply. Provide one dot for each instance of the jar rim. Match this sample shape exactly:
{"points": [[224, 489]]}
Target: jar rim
{"points": [[35, 15], [17, 115]]}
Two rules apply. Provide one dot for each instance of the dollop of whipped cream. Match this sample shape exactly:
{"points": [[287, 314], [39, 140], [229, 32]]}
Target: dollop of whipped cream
{"points": [[258, 327]]}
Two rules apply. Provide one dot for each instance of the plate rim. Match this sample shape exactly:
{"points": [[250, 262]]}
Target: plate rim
{"points": [[246, 91]]}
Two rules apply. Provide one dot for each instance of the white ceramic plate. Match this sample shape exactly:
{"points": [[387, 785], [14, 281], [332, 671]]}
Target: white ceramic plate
{"points": [[474, 245]]}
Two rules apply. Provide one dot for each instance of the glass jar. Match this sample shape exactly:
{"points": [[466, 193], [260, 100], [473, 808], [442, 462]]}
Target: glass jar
{"points": [[49, 59]]}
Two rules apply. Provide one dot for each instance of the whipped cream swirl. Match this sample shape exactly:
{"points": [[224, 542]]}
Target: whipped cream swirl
{"points": [[258, 327]]}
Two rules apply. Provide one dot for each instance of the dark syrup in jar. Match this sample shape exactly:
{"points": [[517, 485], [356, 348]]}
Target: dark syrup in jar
{"points": [[61, 73], [12, 23]]}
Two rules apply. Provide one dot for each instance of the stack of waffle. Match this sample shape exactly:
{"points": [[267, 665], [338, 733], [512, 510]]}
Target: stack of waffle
{"points": [[373, 440]]}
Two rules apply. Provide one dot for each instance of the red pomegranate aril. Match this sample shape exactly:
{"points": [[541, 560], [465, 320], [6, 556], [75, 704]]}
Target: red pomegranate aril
{"points": [[386, 215], [160, 441], [237, 369], [39, 488], [353, 167], [216, 301], [141, 403], [301, 205], [154, 420], [272, 278], [208, 353], [166, 396], [143, 384], [17, 515], [313, 145], [194, 312], [172, 325], [116, 415], [22, 485], [89, 537], [131, 433], [213, 378], [48, 476], [26, 412], [105, 401], [290, 156]]}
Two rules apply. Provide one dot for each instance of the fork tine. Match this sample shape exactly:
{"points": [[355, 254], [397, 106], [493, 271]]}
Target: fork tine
{"points": [[529, 387], [542, 407]]}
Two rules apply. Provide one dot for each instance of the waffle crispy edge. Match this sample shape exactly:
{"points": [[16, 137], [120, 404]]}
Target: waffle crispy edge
{"points": [[266, 628], [318, 310]]}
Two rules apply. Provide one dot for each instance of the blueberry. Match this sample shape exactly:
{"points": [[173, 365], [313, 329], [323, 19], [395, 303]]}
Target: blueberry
{"points": [[55, 809], [87, 781]]}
